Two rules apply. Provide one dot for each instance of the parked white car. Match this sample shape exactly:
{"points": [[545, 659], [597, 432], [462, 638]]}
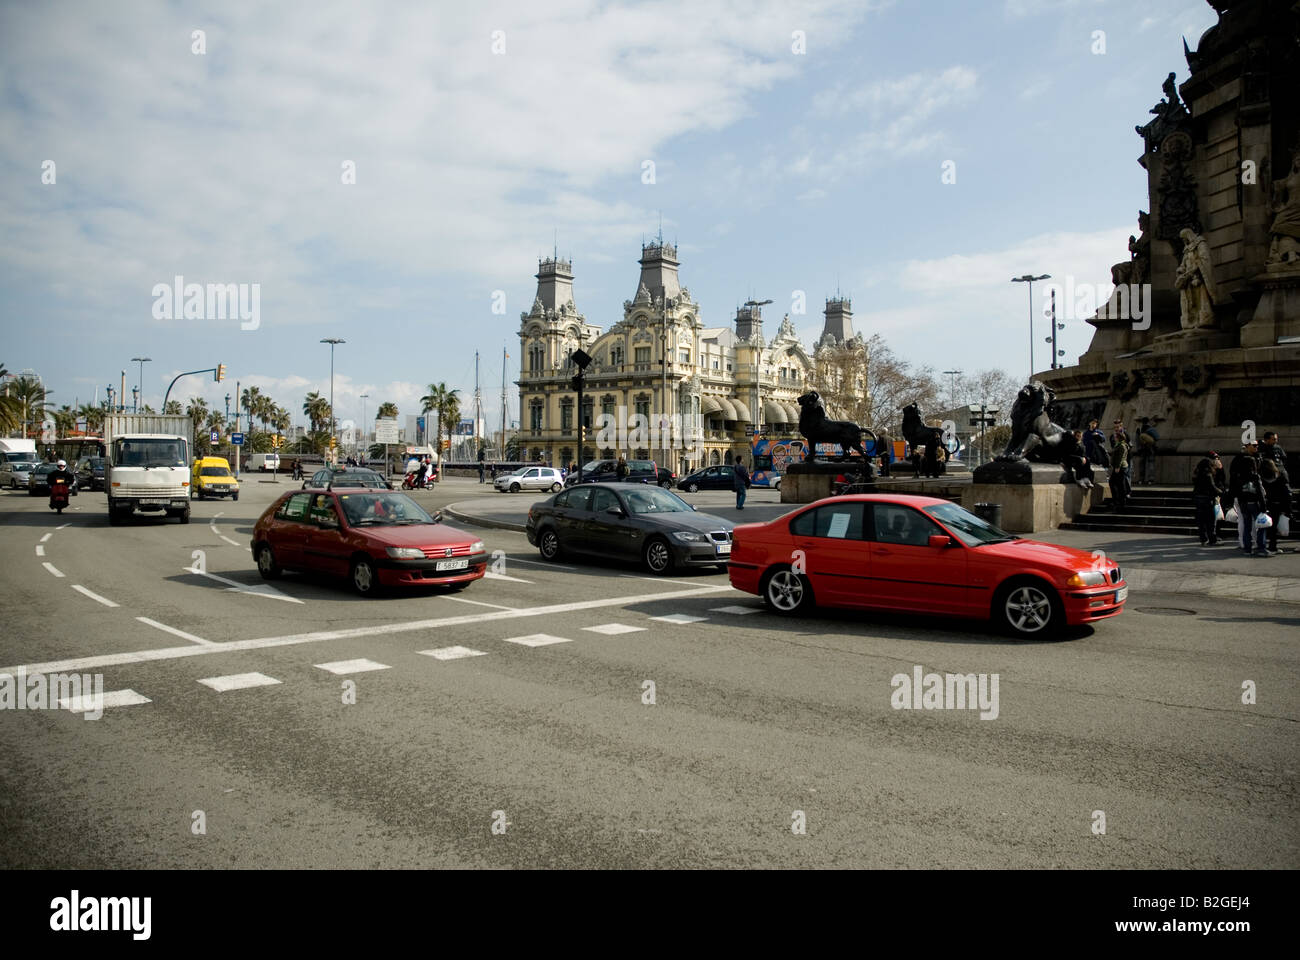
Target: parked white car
{"points": [[531, 478]]}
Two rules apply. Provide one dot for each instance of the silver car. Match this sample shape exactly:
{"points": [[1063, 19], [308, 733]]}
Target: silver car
{"points": [[14, 473], [531, 478]]}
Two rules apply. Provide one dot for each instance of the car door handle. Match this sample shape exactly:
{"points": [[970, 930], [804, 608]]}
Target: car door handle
{"points": [[882, 551]]}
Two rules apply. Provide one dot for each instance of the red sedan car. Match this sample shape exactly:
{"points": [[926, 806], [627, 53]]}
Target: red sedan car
{"points": [[376, 538], [920, 555]]}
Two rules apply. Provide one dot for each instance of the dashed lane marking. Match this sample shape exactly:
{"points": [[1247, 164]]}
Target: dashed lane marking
{"points": [[478, 603], [46, 537], [263, 590], [680, 618], [238, 681], [93, 596], [52, 568], [452, 653], [63, 526], [541, 563], [40, 551], [738, 611], [343, 667], [177, 633], [537, 640], [228, 540], [319, 636], [614, 629], [501, 576], [113, 698]]}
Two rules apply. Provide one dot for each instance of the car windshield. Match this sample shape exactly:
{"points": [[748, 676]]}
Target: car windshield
{"points": [[655, 500], [95, 463], [368, 509], [150, 452], [967, 527], [214, 472], [47, 468]]}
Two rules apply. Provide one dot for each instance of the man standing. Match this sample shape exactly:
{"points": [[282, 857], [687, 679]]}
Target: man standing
{"points": [[1247, 498], [482, 465], [620, 470], [1094, 445], [1119, 488], [886, 453], [1146, 453], [1272, 450], [740, 481]]}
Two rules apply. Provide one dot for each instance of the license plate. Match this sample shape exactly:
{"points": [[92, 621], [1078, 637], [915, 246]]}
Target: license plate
{"points": [[163, 501], [1121, 594], [454, 564], [723, 547]]}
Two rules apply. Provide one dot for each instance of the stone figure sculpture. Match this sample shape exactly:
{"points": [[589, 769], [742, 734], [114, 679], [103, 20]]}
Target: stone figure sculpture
{"points": [[818, 428], [918, 434], [1284, 234], [1035, 437], [1195, 282]]}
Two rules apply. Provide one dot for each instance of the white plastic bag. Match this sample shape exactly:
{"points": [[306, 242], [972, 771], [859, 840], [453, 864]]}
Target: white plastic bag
{"points": [[1263, 521], [1284, 526], [1231, 515], [1218, 511]]}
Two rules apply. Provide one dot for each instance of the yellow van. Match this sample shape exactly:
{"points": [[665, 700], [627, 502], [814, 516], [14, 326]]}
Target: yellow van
{"points": [[212, 478]]}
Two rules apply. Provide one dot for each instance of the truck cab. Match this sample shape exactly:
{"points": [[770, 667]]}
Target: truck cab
{"points": [[148, 467], [212, 477]]}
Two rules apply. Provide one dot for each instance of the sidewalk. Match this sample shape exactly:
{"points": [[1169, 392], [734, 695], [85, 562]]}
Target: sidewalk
{"points": [[1156, 563]]}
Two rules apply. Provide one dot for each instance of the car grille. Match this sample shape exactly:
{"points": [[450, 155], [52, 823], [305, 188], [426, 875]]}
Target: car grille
{"points": [[720, 536], [147, 491], [440, 553]]}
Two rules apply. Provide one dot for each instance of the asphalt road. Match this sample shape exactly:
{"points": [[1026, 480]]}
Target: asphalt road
{"points": [[754, 718]]}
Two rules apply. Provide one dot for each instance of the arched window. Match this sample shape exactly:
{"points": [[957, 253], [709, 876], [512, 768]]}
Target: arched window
{"points": [[536, 358], [616, 355], [714, 459]]}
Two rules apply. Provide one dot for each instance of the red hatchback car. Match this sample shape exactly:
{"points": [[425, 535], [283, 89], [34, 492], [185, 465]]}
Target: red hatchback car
{"points": [[920, 555], [376, 538]]}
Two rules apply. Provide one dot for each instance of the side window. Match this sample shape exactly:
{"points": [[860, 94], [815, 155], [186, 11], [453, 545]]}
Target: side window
{"points": [[322, 509], [531, 473], [602, 500], [726, 472], [562, 500], [579, 498], [295, 508], [842, 521], [712, 471], [894, 523]]}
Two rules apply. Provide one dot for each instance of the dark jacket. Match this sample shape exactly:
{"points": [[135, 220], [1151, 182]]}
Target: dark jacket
{"points": [[740, 477], [1119, 452], [1276, 454], [1204, 483], [1277, 496], [1244, 471], [66, 476], [1094, 446], [620, 470]]}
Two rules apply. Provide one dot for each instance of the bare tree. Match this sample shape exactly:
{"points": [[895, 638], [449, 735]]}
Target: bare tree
{"points": [[893, 383]]}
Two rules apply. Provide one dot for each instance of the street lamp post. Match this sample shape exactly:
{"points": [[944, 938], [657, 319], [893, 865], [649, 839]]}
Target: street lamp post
{"points": [[757, 355], [1029, 278], [363, 396], [952, 386], [142, 361], [333, 342]]}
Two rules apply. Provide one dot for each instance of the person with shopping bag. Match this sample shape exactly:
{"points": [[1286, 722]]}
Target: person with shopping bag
{"points": [[1247, 496], [1277, 502], [1205, 495]]}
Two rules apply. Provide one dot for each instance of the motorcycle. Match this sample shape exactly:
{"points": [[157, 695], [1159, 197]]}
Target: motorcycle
{"points": [[415, 481], [58, 495]]}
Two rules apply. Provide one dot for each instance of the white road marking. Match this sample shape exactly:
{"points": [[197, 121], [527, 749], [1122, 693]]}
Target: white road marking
{"points": [[352, 633], [113, 698], [93, 596], [46, 537], [262, 590], [541, 563], [238, 681], [228, 540], [178, 633], [738, 611], [40, 551], [63, 526], [680, 618], [479, 603], [501, 576], [614, 629], [343, 667], [537, 640], [452, 653], [52, 568]]}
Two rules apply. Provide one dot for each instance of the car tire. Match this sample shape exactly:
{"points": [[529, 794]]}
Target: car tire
{"points": [[787, 593], [693, 488], [234, 496], [514, 488], [667, 484], [184, 516], [777, 486], [1028, 609], [365, 580], [267, 565], [556, 487], [548, 545], [658, 556]]}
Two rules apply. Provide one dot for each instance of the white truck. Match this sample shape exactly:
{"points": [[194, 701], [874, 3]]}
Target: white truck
{"points": [[14, 448], [148, 464]]}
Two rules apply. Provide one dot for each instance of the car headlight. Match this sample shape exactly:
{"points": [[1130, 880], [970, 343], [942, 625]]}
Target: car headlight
{"points": [[688, 536], [1087, 578], [406, 553], [476, 546]]}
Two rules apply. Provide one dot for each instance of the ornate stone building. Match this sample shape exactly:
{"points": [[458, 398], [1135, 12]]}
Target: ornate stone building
{"points": [[661, 384]]}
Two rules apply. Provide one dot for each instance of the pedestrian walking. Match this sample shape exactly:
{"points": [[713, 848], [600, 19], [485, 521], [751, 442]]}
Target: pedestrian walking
{"points": [[1119, 483], [1277, 501], [482, 465], [740, 481], [1247, 496], [1205, 495], [1146, 454], [1094, 445], [886, 454], [620, 470]]}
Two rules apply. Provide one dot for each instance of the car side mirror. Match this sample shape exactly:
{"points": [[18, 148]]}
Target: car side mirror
{"points": [[941, 540], [616, 511]]}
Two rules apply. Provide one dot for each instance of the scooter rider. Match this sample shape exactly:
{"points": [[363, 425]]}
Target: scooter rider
{"points": [[61, 472]]}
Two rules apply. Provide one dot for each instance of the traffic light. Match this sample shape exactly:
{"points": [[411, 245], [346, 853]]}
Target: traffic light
{"points": [[221, 372], [332, 443], [277, 441]]}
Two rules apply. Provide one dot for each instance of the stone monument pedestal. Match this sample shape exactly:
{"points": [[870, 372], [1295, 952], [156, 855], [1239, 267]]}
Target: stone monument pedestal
{"points": [[1034, 496], [1277, 315], [806, 482]]}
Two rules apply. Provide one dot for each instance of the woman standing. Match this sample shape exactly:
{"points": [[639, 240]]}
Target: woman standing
{"points": [[1119, 484], [1205, 494], [1277, 500]]}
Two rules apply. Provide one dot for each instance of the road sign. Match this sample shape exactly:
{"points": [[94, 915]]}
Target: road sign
{"points": [[237, 439], [386, 431], [215, 436]]}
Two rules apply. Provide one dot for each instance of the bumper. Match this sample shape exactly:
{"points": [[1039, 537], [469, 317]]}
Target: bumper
{"points": [[164, 503], [1091, 604], [419, 573], [744, 576], [224, 490], [698, 555]]}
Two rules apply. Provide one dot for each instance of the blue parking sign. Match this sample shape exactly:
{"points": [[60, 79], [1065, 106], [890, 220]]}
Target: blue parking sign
{"points": [[216, 436], [237, 439]]}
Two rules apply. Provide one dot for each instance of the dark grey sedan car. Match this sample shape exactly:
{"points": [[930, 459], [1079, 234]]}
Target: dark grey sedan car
{"points": [[629, 522]]}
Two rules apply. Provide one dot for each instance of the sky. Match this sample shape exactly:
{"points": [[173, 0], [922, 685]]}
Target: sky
{"points": [[390, 174]]}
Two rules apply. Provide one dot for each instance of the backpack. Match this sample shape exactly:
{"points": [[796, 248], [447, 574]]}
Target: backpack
{"points": [[1146, 438]]}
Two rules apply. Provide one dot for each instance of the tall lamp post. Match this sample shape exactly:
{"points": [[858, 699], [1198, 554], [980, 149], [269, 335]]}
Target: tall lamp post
{"points": [[758, 370], [952, 386], [363, 396], [1029, 278], [140, 391], [333, 342]]}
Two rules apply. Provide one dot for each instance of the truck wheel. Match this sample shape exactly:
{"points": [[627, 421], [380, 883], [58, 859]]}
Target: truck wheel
{"points": [[184, 516]]}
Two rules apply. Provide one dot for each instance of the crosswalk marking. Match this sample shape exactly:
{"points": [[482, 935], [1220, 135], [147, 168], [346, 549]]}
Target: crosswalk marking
{"points": [[613, 629], [739, 611], [176, 633], [679, 618], [238, 681], [537, 640], [113, 698], [93, 596], [40, 551], [361, 665], [452, 653]]}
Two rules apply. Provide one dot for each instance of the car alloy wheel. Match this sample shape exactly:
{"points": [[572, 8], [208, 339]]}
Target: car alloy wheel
{"points": [[787, 592], [364, 579], [514, 488], [548, 545], [266, 565], [1028, 610], [693, 488], [658, 557], [556, 487]]}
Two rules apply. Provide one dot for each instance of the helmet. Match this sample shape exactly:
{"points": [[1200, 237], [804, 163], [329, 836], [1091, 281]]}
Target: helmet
{"points": [[62, 464]]}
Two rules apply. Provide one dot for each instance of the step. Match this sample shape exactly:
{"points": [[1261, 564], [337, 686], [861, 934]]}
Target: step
{"points": [[1128, 528]]}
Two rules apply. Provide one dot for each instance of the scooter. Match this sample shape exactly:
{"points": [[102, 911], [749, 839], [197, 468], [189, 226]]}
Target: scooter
{"points": [[58, 495], [414, 481]]}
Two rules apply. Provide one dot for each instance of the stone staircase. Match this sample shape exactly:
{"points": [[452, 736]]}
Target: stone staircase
{"points": [[1149, 510]]}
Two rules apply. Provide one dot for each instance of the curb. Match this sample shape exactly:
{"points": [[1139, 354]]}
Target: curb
{"points": [[483, 521]]}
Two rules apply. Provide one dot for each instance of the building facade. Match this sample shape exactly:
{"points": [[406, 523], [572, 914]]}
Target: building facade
{"points": [[662, 384]]}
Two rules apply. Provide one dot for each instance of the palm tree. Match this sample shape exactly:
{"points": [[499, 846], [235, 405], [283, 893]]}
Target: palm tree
{"points": [[29, 396], [442, 401], [172, 409], [449, 415], [387, 411], [93, 417], [198, 410], [248, 404], [11, 410], [65, 421], [317, 410]]}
